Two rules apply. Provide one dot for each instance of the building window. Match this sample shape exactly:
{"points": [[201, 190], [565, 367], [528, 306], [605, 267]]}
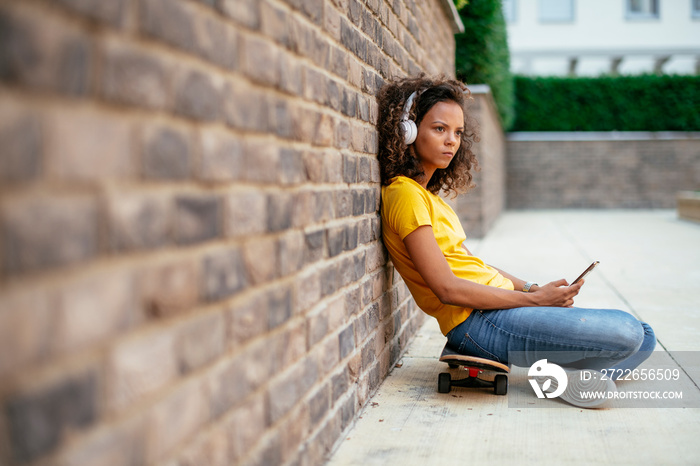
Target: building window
{"points": [[509, 10], [556, 11], [642, 9], [695, 8]]}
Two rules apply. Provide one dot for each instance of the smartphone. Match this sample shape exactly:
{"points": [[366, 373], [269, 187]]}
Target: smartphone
{"points": [[586, 272]]}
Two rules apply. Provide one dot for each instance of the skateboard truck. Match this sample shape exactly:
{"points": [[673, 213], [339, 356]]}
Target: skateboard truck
{"points": [[474, 367]]}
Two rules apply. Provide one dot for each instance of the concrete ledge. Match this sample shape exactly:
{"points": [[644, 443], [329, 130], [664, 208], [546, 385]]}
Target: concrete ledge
{"points": [[688, 205], [537, 136]]}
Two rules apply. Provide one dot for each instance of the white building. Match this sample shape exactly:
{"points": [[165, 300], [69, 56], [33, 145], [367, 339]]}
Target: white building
{"points": [[594, 37]]}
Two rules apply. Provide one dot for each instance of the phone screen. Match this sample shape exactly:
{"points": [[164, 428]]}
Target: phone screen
{"points": [[586, 272]]}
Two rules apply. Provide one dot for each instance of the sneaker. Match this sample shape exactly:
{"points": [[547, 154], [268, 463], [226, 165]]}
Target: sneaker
{"points": [[585, 388]]}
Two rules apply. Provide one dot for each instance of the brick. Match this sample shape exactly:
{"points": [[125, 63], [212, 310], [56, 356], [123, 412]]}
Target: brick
{"points": [[308, 292], [359, 265], [279, 211], [211, 450], [135, 77], [332, 166], [349, 103], [245, 106], [247, 318], [353, 299], [314, 246], [137, 221], [223, 274], [335, 240], [274, 22], [107, 12], [313, 164], [316, 327], [246, 213], [343, 203], [303, 209], [349, 168], [200, 341], [364, 231], [346, 341], [261, 259], [292, 168], [46, 233], [197, 218], [321, 51], [279, 307], [244, 12], [140, 366], [312, 9], [93, 309], [346, 273], [327, 354], [168, 289], [343, 135], [338, 62], [166, 154], [25, 329], [40, 52], [316, 86], [319, 404], [329, 280], [291, 253], [260, 60], [222, 156], [282, 116], [359, 198], [217, 41], [252, 416], [337, 314], [121, 444], [175, 419], [37, 420], [340, 384], [198, 96], [177, 31], [331, 20], [292, 79], [262, 161], [77, 136], [22, 141]]}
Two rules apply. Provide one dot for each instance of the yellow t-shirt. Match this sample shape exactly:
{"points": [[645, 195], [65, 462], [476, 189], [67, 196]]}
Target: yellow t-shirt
{"points": [[406, 205]]}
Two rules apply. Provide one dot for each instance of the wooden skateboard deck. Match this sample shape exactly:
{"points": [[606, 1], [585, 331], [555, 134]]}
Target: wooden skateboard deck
{"points": [[474, 367]]}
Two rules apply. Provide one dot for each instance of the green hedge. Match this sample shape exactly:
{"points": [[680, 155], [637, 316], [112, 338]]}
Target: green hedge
{"points": [[624, 103], [482, 55]]}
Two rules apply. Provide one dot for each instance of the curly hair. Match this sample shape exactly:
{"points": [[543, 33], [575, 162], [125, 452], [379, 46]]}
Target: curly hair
{"points": [[396, 158]]}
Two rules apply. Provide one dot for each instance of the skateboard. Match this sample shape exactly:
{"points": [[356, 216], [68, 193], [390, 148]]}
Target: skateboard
{"points": [[474, 367]]}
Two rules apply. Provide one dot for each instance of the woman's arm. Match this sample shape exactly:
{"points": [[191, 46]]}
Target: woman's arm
{"points": [[433, 267], [518, 284]]}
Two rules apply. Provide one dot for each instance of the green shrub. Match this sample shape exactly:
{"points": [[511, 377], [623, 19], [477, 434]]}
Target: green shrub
{"points": [[623, 103], [482, 55]]}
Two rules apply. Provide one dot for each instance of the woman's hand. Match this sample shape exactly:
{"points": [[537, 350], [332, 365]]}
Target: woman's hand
{"points": [[557, 294]]}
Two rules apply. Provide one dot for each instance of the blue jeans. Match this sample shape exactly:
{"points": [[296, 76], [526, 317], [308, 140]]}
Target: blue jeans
{"points": [[570, 337]]}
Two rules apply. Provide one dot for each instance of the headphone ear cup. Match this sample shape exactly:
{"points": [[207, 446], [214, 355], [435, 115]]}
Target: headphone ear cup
{"points": [[410, 131]]}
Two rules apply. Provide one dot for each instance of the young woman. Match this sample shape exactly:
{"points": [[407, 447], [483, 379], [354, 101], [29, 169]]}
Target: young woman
{"points": [[425, 146]]}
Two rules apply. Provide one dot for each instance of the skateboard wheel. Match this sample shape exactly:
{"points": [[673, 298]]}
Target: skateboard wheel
{"points": [[500, 386], [444, 383]]}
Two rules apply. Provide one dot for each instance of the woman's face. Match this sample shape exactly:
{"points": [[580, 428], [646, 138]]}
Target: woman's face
{"points": [[439, 136]]}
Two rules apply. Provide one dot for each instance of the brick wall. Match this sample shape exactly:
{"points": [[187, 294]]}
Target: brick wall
{"points": [[481, 206], [601, 170], [191, 268]]}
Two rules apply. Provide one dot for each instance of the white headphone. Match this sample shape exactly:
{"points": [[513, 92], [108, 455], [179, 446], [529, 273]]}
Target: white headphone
{"points": [[408, 126]]}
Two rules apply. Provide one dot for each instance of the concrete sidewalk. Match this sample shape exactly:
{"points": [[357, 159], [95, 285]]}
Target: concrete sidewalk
{"points": [[650, 267]]}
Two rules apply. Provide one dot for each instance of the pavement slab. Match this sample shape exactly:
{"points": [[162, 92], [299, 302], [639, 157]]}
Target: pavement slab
{"points": [[650, 267]]}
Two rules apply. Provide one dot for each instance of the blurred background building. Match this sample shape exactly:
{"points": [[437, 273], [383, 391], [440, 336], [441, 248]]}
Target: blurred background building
{"points": [[596, 37]]}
